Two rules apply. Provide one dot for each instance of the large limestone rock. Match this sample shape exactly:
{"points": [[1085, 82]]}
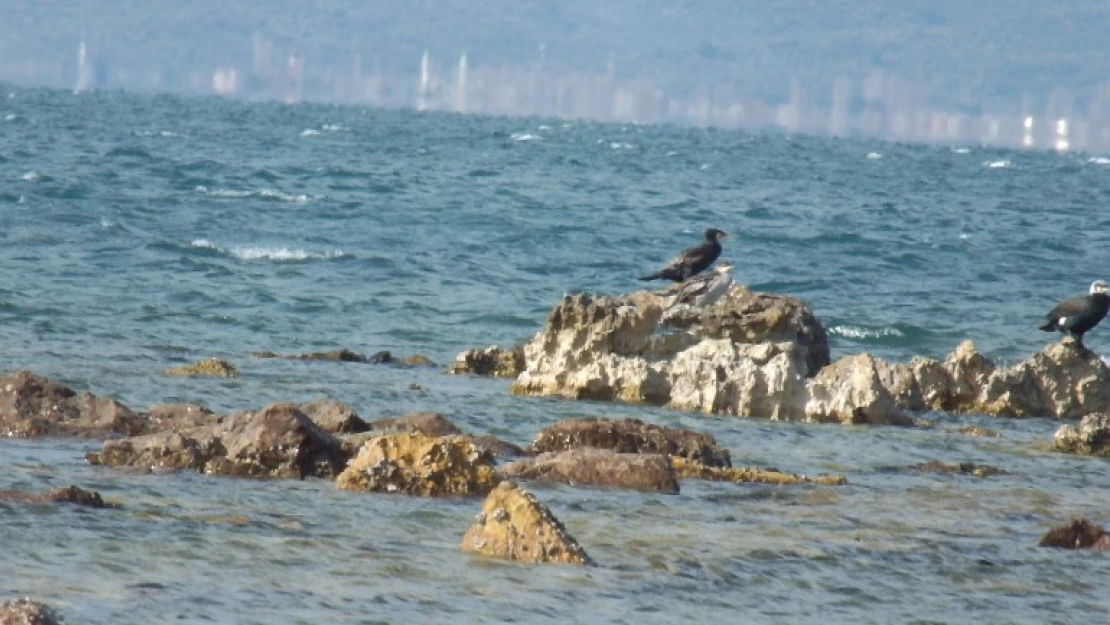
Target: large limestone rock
{"points": [[416, 464], [31, 405], [491, 362], [749, 353], [513, 525], [632, 436], [28, 612], [851, 390], [278, 441], [589, 466], [1090, 437]]}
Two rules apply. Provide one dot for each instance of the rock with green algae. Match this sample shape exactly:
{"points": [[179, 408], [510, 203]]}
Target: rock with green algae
{"points": [[956, 468], [209, 367], [632, 436], [514, 525], [688, 470], [420, 465], [432, 424]]}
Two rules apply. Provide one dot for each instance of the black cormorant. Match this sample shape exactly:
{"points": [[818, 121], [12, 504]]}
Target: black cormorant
{"points": [[1077, 315], [692, 261]]}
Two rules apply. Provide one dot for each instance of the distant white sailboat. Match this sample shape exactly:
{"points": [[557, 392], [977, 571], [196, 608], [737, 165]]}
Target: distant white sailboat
{"points": [[84, 72]]}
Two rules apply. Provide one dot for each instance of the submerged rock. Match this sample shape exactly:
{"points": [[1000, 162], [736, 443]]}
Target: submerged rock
{"points": [[514, 525], [958, 468], [688, 470], [415, 464], [31, 405], [1090, 437], [632, 436], [426, 423], [981, 432], [490, 362], [69, 494], [278, 441], [1078, 534], [417, 360], [211, 367], [28, 612], [162, 417], [589, 466]]}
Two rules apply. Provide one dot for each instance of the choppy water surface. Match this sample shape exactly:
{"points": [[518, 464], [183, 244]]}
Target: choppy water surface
{"points": [[142, 232]]}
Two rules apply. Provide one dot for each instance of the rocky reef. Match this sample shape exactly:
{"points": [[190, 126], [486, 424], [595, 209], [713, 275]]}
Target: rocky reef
{"points": [[28, 612], [209, 367], [1091, 436], [416, 464], [761, 355], [590, 466]]}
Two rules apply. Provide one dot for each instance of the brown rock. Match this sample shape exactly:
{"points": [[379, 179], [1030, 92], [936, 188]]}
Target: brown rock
{"points": [[28, 612], [338, 355], [69, 494], [632, 436], [31, 405], [162, 417], [211, 367], [1090, 437], [515, 526], [490, 362], [497, 447], [417, 360], [1078, 534], [589, 466], [694, 471], [426, 423], [959, 468], [415, 464], [334, 417], [278, 441], [975, 430]]}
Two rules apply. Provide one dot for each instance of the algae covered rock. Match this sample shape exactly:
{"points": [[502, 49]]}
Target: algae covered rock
{"points": [[688, 470], [490, 362], [31, 405], [632, 436], [415, 464], [514, 525], [210, 367], [278, 441], [68, 494], [1090, 437], [589, 466], [28, 612]]}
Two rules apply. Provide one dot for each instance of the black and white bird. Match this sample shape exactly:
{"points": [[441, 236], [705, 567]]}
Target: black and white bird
{"points": [[704, 290], [692, 261], [1077, 315]]}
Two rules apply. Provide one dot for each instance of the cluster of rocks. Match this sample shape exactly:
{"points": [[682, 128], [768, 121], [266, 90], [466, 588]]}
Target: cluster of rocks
{"points": [[762, 355], [28, 612]]}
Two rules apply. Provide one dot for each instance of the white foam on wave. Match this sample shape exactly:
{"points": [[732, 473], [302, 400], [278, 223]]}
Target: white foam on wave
{"points": [[108, 224], [11, 117], [961, 151], [331, 127], [996, 164], [298, 198], [523, 136], [309, 132], [257, 252], [1099, 160], [860, 332], [873, 156], [32, 176], [619, 145]]}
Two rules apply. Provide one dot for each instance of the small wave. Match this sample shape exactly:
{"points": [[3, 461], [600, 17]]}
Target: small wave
{"points": [[266, 194], [996, 164], [32, 176], [12, 117], [873, 156], [1099, 160], [108, 224], [523, 136], [331, 127], [961, 150], [253, 252], [861, 332], [309, 132]]}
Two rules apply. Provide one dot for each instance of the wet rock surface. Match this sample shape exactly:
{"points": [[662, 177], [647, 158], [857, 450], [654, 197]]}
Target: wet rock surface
{"points": [[1091, 436], [279, 441], [514, 525], [632, 436], [209, 367], [334, 417], [491, 362], [956, 468], [416, 464], [69, 494], [1077, 534], [28, 612], [589, 466], [31, 405]]}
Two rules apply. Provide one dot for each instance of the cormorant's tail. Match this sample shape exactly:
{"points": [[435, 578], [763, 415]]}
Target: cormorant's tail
{"points": [[654, 276], [1049, 326]]}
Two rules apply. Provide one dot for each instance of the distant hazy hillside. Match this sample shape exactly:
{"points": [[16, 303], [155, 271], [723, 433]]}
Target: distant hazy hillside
{"points": [[962, 54]]}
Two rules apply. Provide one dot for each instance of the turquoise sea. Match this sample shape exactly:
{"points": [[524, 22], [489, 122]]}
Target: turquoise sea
{"points": [[140, 232]]}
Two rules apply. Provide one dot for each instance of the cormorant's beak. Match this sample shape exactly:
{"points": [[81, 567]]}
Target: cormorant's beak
{"points": [[723, 235]]}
